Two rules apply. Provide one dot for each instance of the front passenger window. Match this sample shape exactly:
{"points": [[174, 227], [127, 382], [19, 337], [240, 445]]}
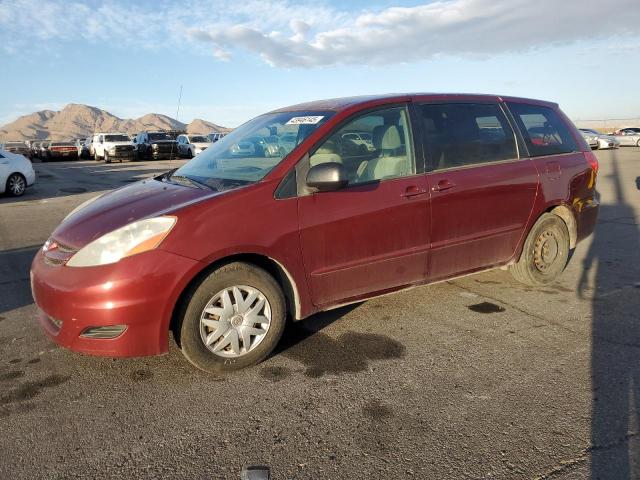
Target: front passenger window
{"points": [[372, 147]]}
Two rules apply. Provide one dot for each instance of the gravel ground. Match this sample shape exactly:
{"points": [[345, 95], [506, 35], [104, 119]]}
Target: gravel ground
{"points": [[478, 377]]}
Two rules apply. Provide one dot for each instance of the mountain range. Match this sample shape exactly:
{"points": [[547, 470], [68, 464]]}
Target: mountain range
{"points": [[79, 121]]}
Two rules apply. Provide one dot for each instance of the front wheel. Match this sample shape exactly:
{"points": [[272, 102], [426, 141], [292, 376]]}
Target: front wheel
{"points": [[106, 157], [638, 143], [545, 252], [233, 319], [16, 185]]}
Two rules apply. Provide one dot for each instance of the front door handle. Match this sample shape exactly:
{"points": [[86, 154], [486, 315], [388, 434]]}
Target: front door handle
{"points": [[413, 191], [443, 185]]}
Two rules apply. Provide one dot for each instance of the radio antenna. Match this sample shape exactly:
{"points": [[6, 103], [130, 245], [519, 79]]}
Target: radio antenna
{"points": [[177, 114]]}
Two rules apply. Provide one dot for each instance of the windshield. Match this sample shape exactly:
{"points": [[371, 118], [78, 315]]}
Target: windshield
{"points": [[63, 144], [248, 153], [200, 139], [116, 138], [159, 136]]}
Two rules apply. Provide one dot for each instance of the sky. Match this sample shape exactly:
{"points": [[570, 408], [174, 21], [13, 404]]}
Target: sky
{"points": [[237, 59]]}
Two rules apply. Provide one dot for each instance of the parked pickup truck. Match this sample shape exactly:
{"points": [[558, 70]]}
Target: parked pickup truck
{"points": [[112, 146], [155, 146]]}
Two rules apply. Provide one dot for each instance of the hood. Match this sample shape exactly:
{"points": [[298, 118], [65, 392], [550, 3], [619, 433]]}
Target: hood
{"points": [[117, 208], [202, 144], [162, 142], [119, 142]]}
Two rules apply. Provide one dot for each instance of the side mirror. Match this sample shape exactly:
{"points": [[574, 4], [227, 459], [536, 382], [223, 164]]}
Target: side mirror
{"points": [[327, 177]]}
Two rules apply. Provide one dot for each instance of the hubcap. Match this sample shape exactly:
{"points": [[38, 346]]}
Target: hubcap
{"points": [[16, 185], [546, 251], [235, 321]]}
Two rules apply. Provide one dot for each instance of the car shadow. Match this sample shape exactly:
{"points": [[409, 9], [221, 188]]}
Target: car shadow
{"points": [[612, 264], [297, 332], [14, 277]]}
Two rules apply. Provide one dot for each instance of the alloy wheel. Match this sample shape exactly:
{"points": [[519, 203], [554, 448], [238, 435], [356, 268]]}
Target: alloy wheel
{"points": [[16, 184]]}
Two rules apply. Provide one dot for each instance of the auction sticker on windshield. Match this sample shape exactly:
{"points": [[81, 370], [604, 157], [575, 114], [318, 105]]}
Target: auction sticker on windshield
{"points": [[311, 120]]}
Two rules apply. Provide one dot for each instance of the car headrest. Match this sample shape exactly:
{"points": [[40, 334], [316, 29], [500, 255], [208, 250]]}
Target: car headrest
{"points": [[391, 138]]}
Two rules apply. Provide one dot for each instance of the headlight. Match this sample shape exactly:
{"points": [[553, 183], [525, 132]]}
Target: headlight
{"points": [[81, 206], [137, 237]]}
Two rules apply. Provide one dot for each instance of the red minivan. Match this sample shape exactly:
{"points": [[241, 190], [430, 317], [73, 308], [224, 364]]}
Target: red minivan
{"points": [[311, 207]]}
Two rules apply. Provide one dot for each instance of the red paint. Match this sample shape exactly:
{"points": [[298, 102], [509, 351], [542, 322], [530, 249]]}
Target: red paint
{"points": [[336, 247]]}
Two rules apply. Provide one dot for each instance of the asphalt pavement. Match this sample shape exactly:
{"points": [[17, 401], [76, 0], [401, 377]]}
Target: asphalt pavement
{"points": [[478, 377]]}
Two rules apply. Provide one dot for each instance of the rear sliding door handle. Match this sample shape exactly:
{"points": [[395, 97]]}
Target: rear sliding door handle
{"points": [[443, 185], [413, 191]]}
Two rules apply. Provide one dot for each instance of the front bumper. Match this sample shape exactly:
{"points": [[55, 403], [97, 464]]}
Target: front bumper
{"points": [[139, 292], [31, 178], [164, 156]]}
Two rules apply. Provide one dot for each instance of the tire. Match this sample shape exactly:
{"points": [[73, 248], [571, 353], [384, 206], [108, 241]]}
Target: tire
{"points": [[192, 331], [96, 158], [16, 185], [106, 157], [638, 143], [545, 252], [190, 156]]}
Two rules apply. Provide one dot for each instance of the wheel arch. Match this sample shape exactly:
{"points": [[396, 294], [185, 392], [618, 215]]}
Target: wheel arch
{"points": [[275, 268], [568, 217]]}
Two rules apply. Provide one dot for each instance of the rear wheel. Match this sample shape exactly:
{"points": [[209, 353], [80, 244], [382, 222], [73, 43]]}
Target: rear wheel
{"points": [[638, 143], [233, 319], [545, 252], [16, 185]]}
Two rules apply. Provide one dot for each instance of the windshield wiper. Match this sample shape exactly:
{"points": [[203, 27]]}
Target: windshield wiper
{"points": [[188, 181]]}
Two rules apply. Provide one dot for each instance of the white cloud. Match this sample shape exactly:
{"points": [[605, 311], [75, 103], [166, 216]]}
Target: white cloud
{"points": [[451, 27], [287, 33]]}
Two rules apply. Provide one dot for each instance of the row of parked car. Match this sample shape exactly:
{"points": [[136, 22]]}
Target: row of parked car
{"points": [[118, 146], [629, 137]]}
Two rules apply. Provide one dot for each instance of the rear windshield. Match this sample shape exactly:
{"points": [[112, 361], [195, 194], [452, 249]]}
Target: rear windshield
{"points": [[63, 144], [14, 144], [544, 131]]}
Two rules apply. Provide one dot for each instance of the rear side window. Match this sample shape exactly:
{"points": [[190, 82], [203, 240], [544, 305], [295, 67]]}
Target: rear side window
{"points": [[543, 130], [460, 134]]}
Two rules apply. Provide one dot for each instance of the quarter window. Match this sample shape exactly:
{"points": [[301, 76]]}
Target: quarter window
{"points": [[457, 134], [372, 147], [544, 132]]}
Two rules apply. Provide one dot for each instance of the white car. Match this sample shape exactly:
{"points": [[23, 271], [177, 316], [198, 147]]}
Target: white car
{"points": [[112, 146], [16, 173], [629, 137], [591, 139], [191, 145], [604, 141], [215, 136], [360, 138]]}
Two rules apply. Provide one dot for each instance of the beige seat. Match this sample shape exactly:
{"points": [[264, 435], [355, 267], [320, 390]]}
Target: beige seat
{"points": [[326, 153], [393, 160]]}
